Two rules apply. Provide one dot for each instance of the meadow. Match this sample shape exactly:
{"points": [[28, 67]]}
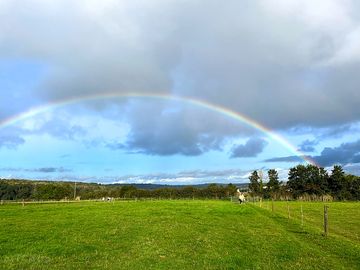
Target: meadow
{"points": [[178, 234]]}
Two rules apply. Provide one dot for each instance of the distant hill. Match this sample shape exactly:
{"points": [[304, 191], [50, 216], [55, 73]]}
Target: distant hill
{"points": [[157, 186], [139, 186]]}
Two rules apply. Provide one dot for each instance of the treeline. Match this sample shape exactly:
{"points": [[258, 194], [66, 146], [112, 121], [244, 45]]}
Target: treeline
{"points": [[28, 190], [304, 182], [307, 181]]}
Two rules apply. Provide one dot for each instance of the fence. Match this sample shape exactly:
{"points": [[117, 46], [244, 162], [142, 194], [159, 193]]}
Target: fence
{"points": [[121, 199], [305, 213]]}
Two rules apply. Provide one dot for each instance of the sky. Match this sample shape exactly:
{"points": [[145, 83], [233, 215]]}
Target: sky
{"points": [[177, 92]]}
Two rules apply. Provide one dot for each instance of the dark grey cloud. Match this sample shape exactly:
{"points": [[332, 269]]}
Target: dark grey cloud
{"points": [[328, 132], [168, 139], [51, 170], [283, 68], [173, 128], [285, 159], [308, 145], [265, 59], [337, 131], [346, 153], [279, 81], [251, 148]]}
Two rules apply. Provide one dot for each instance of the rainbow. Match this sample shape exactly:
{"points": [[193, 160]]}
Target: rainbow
{"points": [[193, 101]]}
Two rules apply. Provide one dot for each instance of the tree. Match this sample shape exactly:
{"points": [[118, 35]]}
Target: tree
{"points": [[337, 181], [273, 185], [308, 179], [254, 185], [261, 183], [354, 186], [188, 192], [230, 190], [296, 180]]}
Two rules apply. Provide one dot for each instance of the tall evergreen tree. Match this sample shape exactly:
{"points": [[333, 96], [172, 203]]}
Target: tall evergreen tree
{"points": [[273, 185], [254, 185], [261, 183], [337, 181]]}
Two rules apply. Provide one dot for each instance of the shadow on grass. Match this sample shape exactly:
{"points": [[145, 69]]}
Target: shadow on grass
{"points": [[298, 232]]}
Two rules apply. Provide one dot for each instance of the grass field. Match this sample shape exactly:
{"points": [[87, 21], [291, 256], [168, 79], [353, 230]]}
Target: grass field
{"points": [[344, 217], [177, 235]]}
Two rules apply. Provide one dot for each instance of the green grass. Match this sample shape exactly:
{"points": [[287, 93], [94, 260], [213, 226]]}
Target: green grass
{"points": [[343, 217], [174, 235]]}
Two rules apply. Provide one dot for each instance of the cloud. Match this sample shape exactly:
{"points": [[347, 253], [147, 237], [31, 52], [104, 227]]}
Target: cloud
{"points": [[11, 142], [51, 170], [172, 128], [59, 124], [187, 177], [352, 169], [62, 129], [346, 153], [285, 159], [11, 137], [308, 145], [281, 63], [251, 148], [192, 177], [338, 131], [39, 170]]}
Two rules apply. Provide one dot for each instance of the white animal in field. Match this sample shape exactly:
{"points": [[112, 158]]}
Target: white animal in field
{"points": [[240, 196], [107, 199]]}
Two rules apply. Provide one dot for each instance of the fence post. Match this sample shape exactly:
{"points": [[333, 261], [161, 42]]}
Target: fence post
{"points": [[260, 202], [326, 224], [23, 203], [302, 216], [288, 208], [272, 205]]}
